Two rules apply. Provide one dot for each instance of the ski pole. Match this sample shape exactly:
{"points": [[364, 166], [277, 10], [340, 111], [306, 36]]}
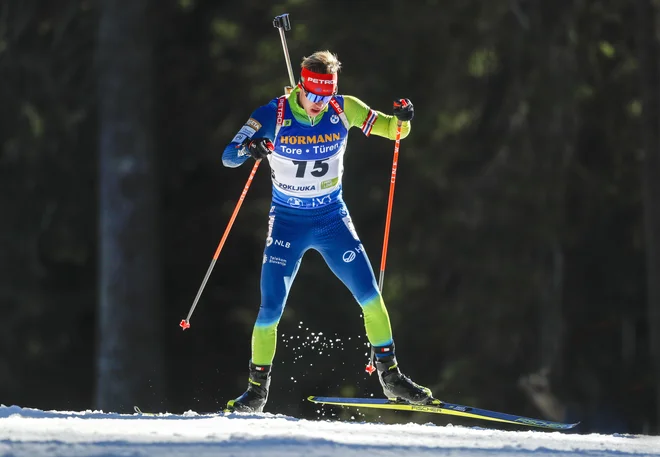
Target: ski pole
{"points": [[282, 23], [185, 323], [390, 202], [370, 368]]}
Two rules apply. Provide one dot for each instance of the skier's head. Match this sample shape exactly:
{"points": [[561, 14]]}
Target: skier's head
{"points": [[318, 81]]}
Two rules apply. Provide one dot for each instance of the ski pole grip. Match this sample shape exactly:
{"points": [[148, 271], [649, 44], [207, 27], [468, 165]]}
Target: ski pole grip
{"points": [[282, 22]]}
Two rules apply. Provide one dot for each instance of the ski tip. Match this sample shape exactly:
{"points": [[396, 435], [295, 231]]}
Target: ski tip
{"points": [[545, 424], [561, 426], [312, 398], [142, 413]]}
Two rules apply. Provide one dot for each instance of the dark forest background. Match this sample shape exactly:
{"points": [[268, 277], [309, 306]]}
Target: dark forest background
{"points": [[524, 258]]}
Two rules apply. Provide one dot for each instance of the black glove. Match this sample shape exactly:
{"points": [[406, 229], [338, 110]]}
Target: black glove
{"points": [[403, 109], [259, 148]]}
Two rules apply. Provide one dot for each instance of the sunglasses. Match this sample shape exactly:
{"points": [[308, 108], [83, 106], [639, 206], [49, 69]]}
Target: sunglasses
{"points": [[316, 98]]}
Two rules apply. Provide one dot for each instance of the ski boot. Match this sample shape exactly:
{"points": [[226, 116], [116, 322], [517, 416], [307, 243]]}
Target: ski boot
{"points": [[255, 397], [396, 385]]}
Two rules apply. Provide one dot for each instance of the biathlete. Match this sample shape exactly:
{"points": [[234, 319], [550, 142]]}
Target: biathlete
{"points": [[303, 136]]}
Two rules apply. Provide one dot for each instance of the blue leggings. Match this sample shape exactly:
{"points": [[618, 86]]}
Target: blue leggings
{"points": [[329, 230]]}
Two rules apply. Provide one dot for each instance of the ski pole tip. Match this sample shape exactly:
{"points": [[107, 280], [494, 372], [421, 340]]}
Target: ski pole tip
{"points": [[184, 324]]}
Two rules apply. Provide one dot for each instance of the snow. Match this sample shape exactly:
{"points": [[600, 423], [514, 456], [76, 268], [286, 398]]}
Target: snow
{"points": [[36, 433]]}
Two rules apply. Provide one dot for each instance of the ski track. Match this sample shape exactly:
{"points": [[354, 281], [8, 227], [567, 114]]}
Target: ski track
{"points": [[26, 432]]}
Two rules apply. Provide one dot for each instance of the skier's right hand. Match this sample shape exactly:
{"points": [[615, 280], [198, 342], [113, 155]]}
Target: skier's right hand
{"points": [[259, 148]]}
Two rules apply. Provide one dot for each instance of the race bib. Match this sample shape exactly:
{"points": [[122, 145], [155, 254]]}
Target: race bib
{"points": [[306, 178]]}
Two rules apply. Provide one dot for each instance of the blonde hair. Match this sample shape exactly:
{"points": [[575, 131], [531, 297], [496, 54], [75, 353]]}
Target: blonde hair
{"points": [[324, 62]]}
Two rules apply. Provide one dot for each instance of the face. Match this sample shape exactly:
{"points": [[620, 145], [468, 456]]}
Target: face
{"points": [[312, 109]]}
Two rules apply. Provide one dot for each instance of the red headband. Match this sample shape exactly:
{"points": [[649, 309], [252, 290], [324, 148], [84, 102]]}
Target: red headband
{"points": [[319, 83]]}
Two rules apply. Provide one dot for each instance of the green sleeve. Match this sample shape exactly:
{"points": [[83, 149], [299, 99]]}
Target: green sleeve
{"points": [[357, 113]]}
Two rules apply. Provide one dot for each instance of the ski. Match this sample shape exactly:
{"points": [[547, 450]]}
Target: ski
{"points": [[142, 413], [442, 408]]}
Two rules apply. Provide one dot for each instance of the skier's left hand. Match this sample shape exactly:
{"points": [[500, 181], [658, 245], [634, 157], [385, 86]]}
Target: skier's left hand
{"points": [[403, 109]]}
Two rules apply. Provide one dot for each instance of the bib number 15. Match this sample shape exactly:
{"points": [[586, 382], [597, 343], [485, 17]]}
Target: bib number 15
{"points": [[320, 168]]}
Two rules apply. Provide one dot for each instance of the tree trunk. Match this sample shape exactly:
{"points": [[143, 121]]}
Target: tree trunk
{"points": [[129, 365], [552, 138], [650, 174]]}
